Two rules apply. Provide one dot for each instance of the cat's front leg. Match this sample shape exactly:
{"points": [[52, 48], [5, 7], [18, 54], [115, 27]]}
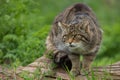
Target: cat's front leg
{"points": [[53, 51], [51, 46], [75, 60], [59, 56], [86, 63]]}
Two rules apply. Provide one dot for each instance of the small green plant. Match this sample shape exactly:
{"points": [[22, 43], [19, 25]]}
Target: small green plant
{"points": [[59, 78], [25, 75], [24, 25], [72, 76]]}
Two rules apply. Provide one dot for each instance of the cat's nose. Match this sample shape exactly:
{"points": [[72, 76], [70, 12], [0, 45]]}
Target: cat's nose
{"points": [[71, 45]]}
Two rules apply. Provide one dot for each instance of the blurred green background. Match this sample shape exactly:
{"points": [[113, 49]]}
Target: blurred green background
{"points": [[24, 25]]}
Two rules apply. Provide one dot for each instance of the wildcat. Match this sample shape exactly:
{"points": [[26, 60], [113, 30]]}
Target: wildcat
{"points": [[75, 32]]}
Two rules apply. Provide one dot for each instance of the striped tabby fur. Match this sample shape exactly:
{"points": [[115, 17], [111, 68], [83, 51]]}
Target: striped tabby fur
{"points": [[75, 32]]}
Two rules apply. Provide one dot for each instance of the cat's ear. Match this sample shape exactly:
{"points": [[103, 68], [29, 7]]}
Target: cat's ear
{"points": [[87, 27], [63, 26]]}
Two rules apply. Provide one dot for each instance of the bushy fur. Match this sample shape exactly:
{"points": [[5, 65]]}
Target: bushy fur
{"points": [[75, 32]]}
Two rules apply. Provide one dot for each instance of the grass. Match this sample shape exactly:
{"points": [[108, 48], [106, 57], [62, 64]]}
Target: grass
{"points": [[24, 25]]}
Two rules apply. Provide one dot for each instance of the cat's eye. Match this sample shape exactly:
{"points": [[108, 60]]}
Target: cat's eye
{"points": [[84, 39], [64, 37]]}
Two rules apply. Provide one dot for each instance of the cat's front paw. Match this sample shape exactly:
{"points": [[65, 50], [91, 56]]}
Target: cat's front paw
{"points": [[60, 56], [75, 72]]}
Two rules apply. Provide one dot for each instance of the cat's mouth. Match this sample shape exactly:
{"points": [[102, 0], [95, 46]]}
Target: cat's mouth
{"points": [[72, 45], [78, 47]]}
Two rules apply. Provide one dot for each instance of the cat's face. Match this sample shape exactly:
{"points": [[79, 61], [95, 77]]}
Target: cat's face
{"points": [[76, 36]]}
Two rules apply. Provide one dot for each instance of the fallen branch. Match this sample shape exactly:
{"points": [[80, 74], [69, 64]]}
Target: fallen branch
{"points": [[43, 68]]}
